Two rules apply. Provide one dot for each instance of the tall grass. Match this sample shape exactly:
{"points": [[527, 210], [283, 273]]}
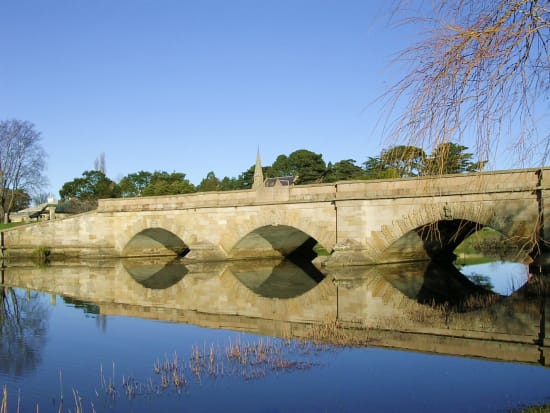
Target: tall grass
{"points": [[42, 255], [4, 406]]}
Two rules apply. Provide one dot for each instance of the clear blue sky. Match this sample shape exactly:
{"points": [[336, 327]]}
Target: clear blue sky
{"points": [[195, 86]]}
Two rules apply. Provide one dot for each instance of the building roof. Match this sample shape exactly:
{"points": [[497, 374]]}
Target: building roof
{"points": [[281, 180]]}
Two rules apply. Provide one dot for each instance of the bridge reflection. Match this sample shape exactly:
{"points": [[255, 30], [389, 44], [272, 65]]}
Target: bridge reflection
{"points": [[418, 306], [156, 274], [277, 279]]}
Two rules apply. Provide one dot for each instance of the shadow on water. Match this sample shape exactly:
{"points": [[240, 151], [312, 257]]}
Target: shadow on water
{"points": [[445, 284], [278, 279], [466, 288], [285, 278], [156, 274]]}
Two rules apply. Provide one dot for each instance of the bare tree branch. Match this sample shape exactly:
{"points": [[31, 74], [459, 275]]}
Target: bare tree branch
{"points": [[482, 73], [22, 162], [100, 164]]}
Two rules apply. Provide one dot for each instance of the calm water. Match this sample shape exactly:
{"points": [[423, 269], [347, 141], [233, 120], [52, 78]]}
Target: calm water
{"points": [[110, 331]]}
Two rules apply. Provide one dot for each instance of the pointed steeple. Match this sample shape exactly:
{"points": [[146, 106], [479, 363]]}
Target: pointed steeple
{"points": [[258, 173]]}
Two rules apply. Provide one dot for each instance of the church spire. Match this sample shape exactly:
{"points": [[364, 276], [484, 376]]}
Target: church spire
{"points": [[258, 173]]}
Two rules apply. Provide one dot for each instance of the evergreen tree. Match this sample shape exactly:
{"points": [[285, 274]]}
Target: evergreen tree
{"points": [[343, 170]]}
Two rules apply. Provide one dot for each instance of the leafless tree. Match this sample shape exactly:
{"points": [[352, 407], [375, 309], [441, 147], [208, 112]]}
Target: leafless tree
{"points": [[480, 73], [23, 325], [99, 163], [22, 162]]}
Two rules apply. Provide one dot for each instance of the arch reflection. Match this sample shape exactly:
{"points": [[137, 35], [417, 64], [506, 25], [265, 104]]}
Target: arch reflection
{"points": [[277, 279], [157, 274], [440, 283]]}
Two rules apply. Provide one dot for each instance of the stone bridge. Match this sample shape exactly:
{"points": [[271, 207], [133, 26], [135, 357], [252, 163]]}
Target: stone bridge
{"points": [[357, 222]]}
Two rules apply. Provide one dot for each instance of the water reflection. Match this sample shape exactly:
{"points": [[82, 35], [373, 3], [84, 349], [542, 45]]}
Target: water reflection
{"points": [[502, 277], [88, 308], [268, 278], [156, 274], [443, 284], [418, 306], [277, 279], [23, 325]]}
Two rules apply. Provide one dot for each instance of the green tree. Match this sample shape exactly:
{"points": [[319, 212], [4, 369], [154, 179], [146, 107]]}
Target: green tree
{"points": [[406, 160], [344, 170], [164, 183], [22, 163], [399, 161], [133, 184], [375, 169], [22, 200], [308, 166], [93, 185], [19, 199], [228, 184], [451, 158], [281, 167], [210, 183]]}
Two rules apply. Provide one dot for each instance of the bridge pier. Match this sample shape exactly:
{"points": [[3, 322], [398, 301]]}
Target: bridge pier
{"points": [[205, 251], [348, 253]]}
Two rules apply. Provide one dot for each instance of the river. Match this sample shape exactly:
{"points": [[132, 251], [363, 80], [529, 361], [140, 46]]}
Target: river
{"points": [[270, 336]]}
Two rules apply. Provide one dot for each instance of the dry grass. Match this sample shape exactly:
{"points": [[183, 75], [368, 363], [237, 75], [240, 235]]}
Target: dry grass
{"points": [[333, 333], [78, 407], [244, 360], [545, 408], [4, 406]]}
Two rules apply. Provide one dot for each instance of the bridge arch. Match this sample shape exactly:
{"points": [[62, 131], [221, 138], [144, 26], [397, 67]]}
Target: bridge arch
{"points": [[273, 241], [434, 229], [278, 230], [154, 241]]}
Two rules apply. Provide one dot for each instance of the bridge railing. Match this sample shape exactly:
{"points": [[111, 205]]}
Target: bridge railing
{"points": [[429, 186]]}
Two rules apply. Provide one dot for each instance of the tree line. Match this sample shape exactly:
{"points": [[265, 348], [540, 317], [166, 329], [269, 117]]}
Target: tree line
{"points": [[308, 168], [22, 166]]}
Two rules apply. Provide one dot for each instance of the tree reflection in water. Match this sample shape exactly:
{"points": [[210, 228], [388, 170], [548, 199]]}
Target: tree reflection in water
{"points": [[446, 285], [23, 324]]}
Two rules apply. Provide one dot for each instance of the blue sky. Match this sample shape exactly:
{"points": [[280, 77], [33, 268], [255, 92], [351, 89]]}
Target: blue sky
{"points": [[195, 86]]}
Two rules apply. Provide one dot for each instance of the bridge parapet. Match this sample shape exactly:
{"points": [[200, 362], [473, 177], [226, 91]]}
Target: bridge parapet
{"points": [[176, 202], [222, 199], [456, 184]]}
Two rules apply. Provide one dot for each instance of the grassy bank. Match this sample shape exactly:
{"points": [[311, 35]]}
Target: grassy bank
{"points": [[484, 239], [11, 225], [487, 245]]}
